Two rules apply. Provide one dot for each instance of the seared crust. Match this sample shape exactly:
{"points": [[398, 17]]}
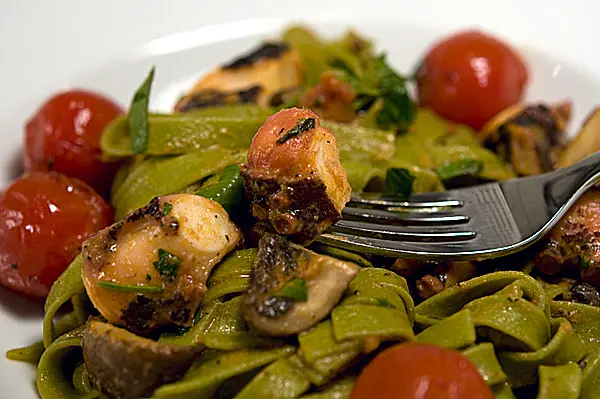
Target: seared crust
{"points": [[293, 177]]}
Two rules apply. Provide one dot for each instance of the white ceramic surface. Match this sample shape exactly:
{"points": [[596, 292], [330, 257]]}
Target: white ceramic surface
{"points": [[109, 45]]}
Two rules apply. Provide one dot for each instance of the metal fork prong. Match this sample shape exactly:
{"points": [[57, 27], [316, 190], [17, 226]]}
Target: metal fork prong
{"points": [[414, 202], [385, 217], [404, 233]]}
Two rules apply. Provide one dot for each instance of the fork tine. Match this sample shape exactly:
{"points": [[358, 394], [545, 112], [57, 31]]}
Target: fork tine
{"points": [[425, 200], [404, 233], [404, 218]]}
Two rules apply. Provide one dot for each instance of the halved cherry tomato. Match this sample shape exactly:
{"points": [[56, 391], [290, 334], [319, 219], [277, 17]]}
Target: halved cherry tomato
{"points": [[44, 218], [64, 136], [469, 77], [419, 371]]}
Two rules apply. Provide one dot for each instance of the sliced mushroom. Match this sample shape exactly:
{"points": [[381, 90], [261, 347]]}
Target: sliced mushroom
{"points": [[293, 177], [528, 137], [123, 365], [254, 78], [292, 288], [150, 269]]}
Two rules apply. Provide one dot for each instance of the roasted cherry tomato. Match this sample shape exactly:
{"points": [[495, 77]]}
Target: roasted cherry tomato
{"points": [[64, 135], [44, 218], [470, 77], [419, 371]]}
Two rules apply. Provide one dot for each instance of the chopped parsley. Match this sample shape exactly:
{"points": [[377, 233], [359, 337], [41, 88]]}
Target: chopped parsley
{"points": [[148, 277], [294, 289], [462, 167], [138, 115], [130, 288], [385, 303], [167, 208], [399, 181], [14, 265], [584, 263], [302, 126], [167, 263]]}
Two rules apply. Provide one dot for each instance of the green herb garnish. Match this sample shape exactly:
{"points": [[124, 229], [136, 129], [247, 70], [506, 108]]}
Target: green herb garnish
{"points": [[138, 115], [167, 208], [462, 167], [130, 288], [399, 181], [385, 303], [302, 126], [294, 289], [167, 263], [584, 263]]}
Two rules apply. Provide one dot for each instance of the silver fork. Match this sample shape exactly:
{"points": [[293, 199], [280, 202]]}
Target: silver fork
{"points": [[479, 222]]}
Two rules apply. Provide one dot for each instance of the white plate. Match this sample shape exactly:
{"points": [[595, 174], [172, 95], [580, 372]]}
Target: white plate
{"points": [[109, 46]]}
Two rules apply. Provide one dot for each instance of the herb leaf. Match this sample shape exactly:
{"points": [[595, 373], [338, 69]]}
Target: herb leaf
{"points": [[167, 208], [302, 126], [385, 303], [462, 167], [399, 181], [150, 289], [294, 289], [167, 264], [138, 115], [584, 263]]}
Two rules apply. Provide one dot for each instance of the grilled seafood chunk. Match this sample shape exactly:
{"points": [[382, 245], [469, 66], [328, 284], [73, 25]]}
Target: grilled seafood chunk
{"points": [[293, 177], [292, 288], [574, 243], [150, 269], [255, 78]]}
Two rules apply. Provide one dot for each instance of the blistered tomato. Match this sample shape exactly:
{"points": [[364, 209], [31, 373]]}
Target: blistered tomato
{"points": [[64, 136], [469, 77], [419, 371], [44, 219]]}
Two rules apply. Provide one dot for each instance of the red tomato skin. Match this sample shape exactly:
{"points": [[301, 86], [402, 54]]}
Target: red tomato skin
{"points": [[420, 371], [44, 219], [470, 77], [64, 136]]}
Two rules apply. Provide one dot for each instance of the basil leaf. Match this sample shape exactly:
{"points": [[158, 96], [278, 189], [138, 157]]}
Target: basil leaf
{"points": [[130, 288], [138, 115], [399, 181], [462, 167], [167, 264], [294, 289], [303, 125]]}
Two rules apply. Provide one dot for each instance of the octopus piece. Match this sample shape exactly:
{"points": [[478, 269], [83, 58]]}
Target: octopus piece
{"points": [[258, 77], [150, 269], [529, 137], [292, 288], [574, 243], [293, 176]]}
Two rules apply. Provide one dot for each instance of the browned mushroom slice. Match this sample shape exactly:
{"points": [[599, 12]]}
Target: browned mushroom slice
{"points": [[292, 288], [293, 177], [256, 77], [123, 365], [528, 137], [150, 269]]}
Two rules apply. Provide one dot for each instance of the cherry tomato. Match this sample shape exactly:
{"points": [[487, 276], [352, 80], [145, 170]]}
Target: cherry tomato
{"points": [[64, 135], [44, 218], [470, 77], [419, 371]]}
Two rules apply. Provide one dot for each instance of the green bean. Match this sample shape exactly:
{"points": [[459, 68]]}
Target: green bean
{"points": [[560, 382], [68, 285], [166, 175], [229, 191]]}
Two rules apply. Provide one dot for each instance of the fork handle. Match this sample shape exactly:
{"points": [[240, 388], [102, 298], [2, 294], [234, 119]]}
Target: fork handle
{"points": [[569, 183]]}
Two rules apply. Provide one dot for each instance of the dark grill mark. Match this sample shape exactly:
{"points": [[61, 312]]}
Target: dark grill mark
{"points": [[266, 51], [138, 315], [209, 98]]}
